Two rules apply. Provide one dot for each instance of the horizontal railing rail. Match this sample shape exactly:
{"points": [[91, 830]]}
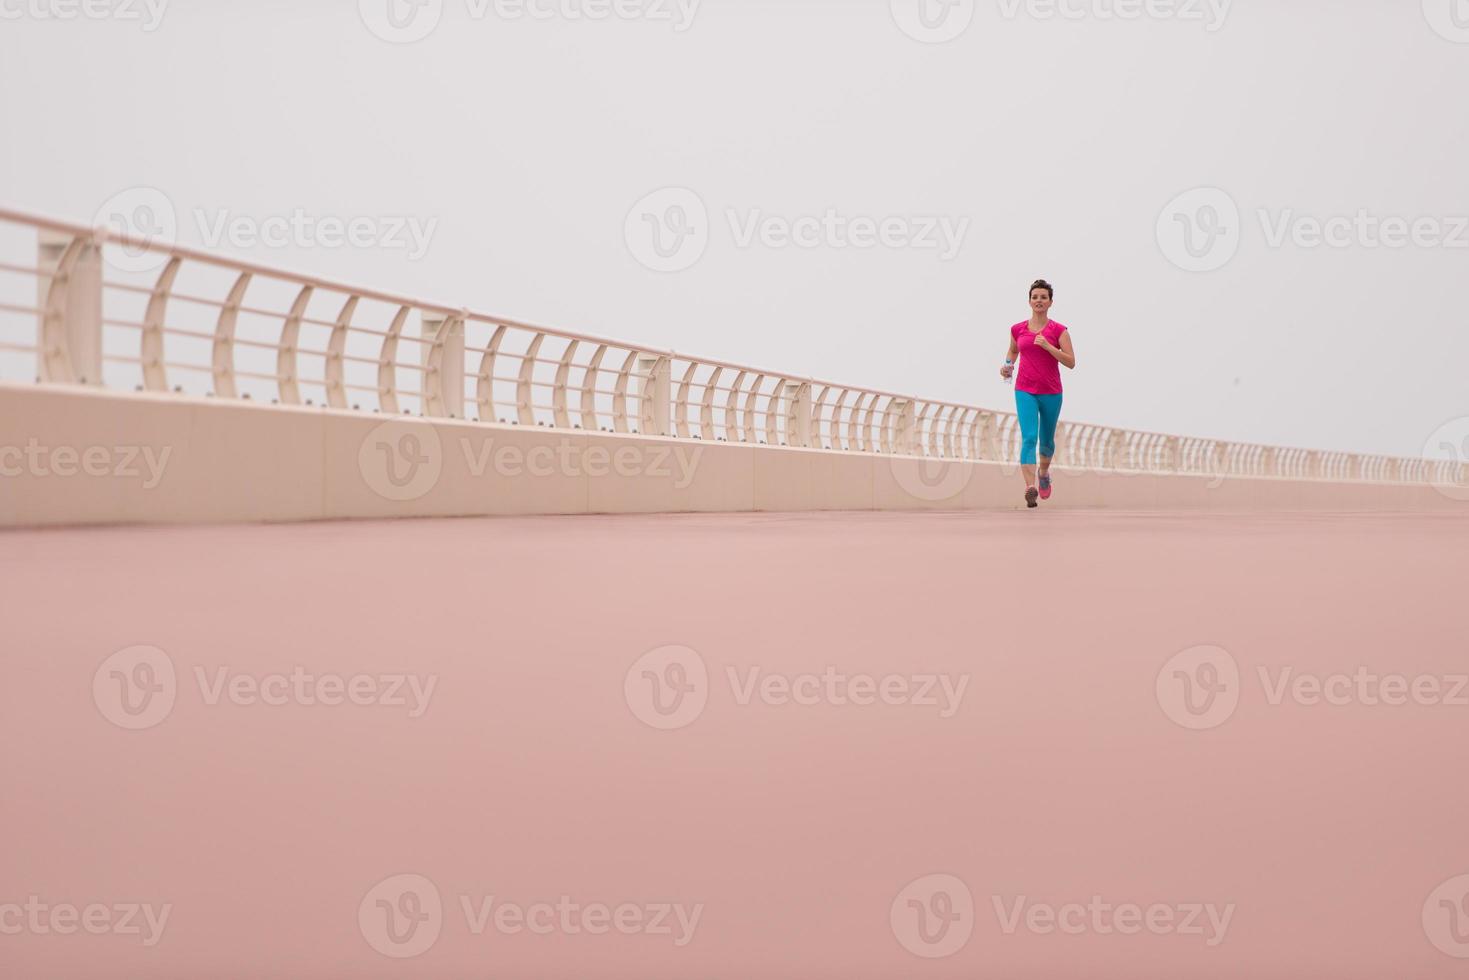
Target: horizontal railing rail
{"points": [[100, 306]]}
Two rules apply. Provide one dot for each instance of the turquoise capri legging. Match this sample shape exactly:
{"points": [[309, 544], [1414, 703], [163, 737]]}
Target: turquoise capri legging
{"points": [[1038, 415]]}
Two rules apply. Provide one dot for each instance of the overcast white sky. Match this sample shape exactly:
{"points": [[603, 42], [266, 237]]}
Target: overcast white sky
{"points": [[523, 143]]}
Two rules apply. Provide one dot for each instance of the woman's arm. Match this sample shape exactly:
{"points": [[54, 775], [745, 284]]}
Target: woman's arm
{"points": [[1010, 357], [1065, 354]]}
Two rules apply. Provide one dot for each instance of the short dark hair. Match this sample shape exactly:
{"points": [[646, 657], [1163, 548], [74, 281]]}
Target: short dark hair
{"points": [[1042, 284]]}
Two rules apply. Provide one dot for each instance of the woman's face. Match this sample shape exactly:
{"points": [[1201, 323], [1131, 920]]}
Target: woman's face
{"points": [[1040, 301]]}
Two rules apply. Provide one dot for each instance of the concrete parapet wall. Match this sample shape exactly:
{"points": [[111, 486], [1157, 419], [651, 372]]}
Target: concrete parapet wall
{"points": [[74, 455]]}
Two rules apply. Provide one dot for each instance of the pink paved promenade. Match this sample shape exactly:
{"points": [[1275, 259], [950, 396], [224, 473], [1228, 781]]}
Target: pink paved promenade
{"points": [[1009, 745]]}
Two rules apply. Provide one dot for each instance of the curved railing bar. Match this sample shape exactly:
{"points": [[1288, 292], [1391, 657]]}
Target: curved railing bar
{"points": [[484, 382], [55, 353], [681, 406], [287, 386], [619, 393], [855, 440], [336, 347], [589, 389], [835, 426], [732, 428], [524, 409], [223, 354], [387, 364], [150, 344], [749, 423], [706, 407], [559, 410], [772, 413], [818, 412]]}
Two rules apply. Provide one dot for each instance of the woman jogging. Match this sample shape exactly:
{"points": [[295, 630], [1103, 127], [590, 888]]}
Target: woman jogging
{"points": [[1041, 345]]}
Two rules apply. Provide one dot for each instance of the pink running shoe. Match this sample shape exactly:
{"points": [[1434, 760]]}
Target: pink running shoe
{"points": [[1045, 488]]}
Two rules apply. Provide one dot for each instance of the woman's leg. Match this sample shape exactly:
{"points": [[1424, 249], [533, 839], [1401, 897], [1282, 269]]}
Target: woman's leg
{"points": [[1027, 413], [1049, 407]]}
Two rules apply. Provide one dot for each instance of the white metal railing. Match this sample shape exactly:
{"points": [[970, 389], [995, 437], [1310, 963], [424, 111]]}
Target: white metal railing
{"points": [[114, 310]]}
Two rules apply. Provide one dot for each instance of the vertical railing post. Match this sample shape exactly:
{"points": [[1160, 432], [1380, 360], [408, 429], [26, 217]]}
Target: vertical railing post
{"points": [[798, 421], [443, 365], [1174, 454], [906, 443], [655, 394], [74, 268]]}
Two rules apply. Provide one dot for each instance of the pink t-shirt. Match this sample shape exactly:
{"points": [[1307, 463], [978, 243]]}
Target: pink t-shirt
{"points": [[1039, 372]]}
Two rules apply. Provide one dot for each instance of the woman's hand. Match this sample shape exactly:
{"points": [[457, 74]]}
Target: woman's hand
{"points": [[1044, 344], [1006, 371]]}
